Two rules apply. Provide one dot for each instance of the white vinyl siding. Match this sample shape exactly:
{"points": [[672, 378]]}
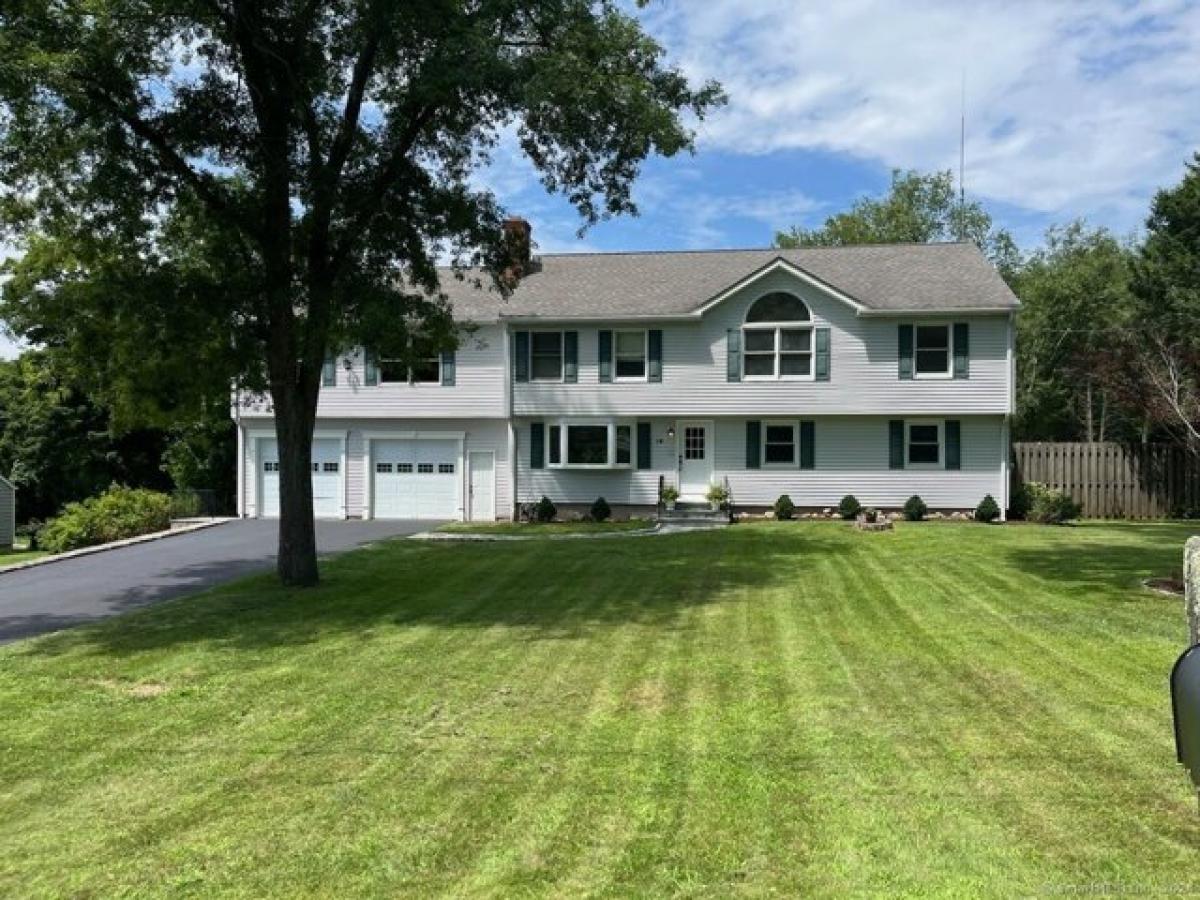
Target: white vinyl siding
{"points": [[863, 365], [8, 513], [851, 457], [480, 389]]}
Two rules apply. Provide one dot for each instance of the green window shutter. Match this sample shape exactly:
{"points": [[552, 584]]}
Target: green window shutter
{"points": [[604, 354], [733, 355], [808, 447], [905, 350], [896, 444], [821, 372], [753, 445], [654, 363], [448, 367], [520, 356], [644, 442], [329, 371], [570, 356], [953, 444], [962, 350], [537, 445], [370, 368]]}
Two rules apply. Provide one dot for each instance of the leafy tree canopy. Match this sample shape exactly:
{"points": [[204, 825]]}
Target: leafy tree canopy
{"points": [[212, 189], [918, 208]]}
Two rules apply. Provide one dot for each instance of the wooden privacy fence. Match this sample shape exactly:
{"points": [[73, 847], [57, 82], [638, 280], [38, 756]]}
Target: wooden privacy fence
{"points": [[1115, 481]]}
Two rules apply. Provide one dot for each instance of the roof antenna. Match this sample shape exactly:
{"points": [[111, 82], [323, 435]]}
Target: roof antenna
{"points": [[962, 156]]}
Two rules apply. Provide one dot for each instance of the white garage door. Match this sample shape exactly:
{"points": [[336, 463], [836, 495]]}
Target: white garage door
{"points": [[415, 479], [326, 478]]}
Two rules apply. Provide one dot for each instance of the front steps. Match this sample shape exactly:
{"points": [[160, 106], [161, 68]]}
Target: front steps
{"points": [[700, 515]]}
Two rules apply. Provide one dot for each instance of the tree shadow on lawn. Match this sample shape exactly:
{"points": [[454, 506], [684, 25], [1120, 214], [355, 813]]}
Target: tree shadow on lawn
{"points": [[1154, 549], [550, 589]]}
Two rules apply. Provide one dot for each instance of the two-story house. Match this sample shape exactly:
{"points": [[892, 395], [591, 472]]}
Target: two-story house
{"points": [[882, 371]]}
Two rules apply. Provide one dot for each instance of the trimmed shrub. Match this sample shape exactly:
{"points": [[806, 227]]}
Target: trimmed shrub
{"points": [[1019, 502], [1050, 507], [784, 507], [988, 510], [849, 508], [544, 510], [600, 510], [915, 508], [118, 513]]}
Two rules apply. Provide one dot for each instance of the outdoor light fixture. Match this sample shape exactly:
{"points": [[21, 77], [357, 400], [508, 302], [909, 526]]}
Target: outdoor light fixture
{"points": [[670, 431]]}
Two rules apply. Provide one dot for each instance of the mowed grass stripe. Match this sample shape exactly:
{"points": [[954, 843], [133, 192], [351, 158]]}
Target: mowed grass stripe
{"points": [[792, 708]]}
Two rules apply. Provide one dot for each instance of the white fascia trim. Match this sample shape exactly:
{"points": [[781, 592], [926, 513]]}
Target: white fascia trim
{"points": [[937, 311], [775, 265]]}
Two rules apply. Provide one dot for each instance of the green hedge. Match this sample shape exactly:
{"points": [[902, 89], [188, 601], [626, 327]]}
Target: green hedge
{"points": [[118, 513]]}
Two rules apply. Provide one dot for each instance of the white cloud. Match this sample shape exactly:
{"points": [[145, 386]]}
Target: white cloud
{"points": [[1072, 108]]}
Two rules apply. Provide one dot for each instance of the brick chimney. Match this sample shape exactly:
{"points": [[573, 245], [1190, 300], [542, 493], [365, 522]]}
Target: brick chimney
{"points": [[518, 241]]}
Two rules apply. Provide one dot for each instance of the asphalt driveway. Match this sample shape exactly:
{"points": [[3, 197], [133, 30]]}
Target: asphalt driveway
{"points": [[62, 594]]}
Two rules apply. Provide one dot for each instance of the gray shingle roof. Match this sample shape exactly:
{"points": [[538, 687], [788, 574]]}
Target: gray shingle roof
{"points": [[880, 277]]}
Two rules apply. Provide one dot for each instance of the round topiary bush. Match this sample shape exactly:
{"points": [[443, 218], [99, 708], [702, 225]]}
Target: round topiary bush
{"points": [[849, 507], [988, 510], [600, 510], [915, 508], [544, 510], [784, 507]]}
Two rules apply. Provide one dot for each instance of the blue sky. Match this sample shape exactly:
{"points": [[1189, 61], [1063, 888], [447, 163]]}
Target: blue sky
{"points": [[1074, 110]]}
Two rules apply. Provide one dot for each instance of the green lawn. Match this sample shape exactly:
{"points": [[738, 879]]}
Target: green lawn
{"points": [[791, 708], [19, 553], [539, 528]]}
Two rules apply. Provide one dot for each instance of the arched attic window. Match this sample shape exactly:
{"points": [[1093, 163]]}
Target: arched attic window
{"points": [[777, 336]]}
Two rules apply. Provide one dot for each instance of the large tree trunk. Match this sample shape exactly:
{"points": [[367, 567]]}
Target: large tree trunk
{"points": [[297, 561]]}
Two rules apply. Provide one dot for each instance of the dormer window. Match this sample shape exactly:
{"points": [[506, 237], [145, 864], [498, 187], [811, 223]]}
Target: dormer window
{"points": [[778, 338]]}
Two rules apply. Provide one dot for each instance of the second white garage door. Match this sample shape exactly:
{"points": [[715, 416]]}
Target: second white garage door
{"points": [[415, 479]]}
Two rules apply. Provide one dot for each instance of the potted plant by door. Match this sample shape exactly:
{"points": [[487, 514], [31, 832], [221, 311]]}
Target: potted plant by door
{"points": [[670, 494], [717, 496]]}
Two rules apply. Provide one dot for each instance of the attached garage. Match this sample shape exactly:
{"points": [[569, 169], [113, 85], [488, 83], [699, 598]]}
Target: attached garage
{"points": [[327, 478], [415, 478]]}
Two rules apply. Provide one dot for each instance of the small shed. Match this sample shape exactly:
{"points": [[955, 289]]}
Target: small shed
{"points": [[8, 512]]}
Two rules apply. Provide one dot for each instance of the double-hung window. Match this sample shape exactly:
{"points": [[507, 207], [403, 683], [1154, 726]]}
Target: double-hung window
{"points": [[629, 355], [589, 445], [778, 339], [421, 371], [923, 444], [934, 352], [546, 356], [779, 444]]}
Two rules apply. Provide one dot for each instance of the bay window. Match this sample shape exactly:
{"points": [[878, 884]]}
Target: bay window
{"points": [[589, 445]]}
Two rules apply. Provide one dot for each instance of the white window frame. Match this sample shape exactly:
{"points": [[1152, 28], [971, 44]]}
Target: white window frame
{"points": [[410, 376], [562, 357], [794, 425], [949, 371], [777, 328], [941, 443], [645, 355], [564, 426]]}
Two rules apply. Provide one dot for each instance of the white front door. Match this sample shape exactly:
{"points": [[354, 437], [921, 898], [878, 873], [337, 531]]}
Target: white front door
{"points": [[415, 479], [483, 492], [694, 440]]}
